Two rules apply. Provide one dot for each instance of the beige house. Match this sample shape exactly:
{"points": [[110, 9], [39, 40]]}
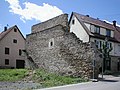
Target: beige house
{"points": [[89, 29], [12, 42]]}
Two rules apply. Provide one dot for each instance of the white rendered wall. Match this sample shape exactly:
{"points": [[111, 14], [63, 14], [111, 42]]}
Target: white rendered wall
{"points": [[79, 30]]}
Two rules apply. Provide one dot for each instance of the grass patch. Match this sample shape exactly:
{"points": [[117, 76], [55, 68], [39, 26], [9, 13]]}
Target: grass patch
{"points": [[39, 76], [51, 79], [12, 74]]}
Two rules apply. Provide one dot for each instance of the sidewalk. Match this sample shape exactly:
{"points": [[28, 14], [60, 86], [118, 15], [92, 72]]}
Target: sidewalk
{"points": [[109, 77]]}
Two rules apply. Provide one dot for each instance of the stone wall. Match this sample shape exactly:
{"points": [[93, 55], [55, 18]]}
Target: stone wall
{"points": [[62, 20], [57, 50]]}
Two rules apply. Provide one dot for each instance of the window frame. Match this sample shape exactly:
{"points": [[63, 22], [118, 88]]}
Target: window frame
{"points": [[20, 52], [51, 43], [119, 48], [97, 43], [108, 32], [96, 29], [7, 50], [7, 61], [14, 40], [109, 45]]}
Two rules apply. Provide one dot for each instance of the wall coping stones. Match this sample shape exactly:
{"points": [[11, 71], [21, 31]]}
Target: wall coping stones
{"points": [[61, 19]]}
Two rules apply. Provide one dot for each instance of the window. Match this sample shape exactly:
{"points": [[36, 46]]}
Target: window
{"points": [[119, 48], [51, 43], [73, 21], [20, 52], [109, 45], [97, 43], [14, 41], [100, 44], [108, 32], [6, 61], [6, 50], [97, 29], [15, 30]]}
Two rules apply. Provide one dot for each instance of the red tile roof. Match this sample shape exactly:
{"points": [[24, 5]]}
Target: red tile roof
{"points": [[94, 21]]}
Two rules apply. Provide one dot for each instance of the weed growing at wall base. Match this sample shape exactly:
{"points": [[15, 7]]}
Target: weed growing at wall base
{"points": [[52, 79]]}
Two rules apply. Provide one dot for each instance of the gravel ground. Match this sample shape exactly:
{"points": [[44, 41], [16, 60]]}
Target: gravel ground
{"points": [[20, 85]]}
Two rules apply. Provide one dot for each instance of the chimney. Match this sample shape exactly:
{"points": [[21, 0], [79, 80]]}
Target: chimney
{"points": [[114, 23], [87, 15], [97, 18], [5, 28]]}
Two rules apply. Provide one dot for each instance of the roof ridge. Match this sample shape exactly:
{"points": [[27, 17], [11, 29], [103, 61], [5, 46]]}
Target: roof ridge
{"points": [[4, 33], [94, 21]]}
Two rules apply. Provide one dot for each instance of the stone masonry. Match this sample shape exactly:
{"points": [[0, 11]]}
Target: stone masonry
{"points": [[53, 48]]}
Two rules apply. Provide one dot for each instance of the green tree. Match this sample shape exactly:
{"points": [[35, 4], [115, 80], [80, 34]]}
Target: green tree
{"points": [[105, 50]]}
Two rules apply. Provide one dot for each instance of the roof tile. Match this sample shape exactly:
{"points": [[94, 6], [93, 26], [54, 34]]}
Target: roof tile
{"points": [[87, 19]]}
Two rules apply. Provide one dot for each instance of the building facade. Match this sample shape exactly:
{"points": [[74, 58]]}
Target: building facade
{"points": [[89, 29], [12, 42]]}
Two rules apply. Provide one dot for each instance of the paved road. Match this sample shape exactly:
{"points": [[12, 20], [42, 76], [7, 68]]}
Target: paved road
{"points": [[110, 83]]}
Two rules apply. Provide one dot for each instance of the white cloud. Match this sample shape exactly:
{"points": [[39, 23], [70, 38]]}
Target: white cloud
{"points": [[33, 11]]}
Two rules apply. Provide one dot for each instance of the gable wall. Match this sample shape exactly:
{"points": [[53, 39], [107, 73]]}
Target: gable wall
{"points": [[78, 29], [7, 41]]}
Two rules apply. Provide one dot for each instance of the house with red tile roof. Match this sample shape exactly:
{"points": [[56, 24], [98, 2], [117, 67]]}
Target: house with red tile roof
{"points": [[12, 42], [89, 29]]}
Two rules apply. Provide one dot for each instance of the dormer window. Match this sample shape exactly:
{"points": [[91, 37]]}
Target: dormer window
{"points": [[108, 32], [97, 29]]}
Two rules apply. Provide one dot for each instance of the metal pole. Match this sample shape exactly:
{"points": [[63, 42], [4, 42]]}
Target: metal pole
{"points": [[102, 67], [93, 71], [94, 80]]}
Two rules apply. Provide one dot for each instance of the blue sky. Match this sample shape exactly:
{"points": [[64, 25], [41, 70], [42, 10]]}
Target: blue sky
{"points": [[25, 13]]}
